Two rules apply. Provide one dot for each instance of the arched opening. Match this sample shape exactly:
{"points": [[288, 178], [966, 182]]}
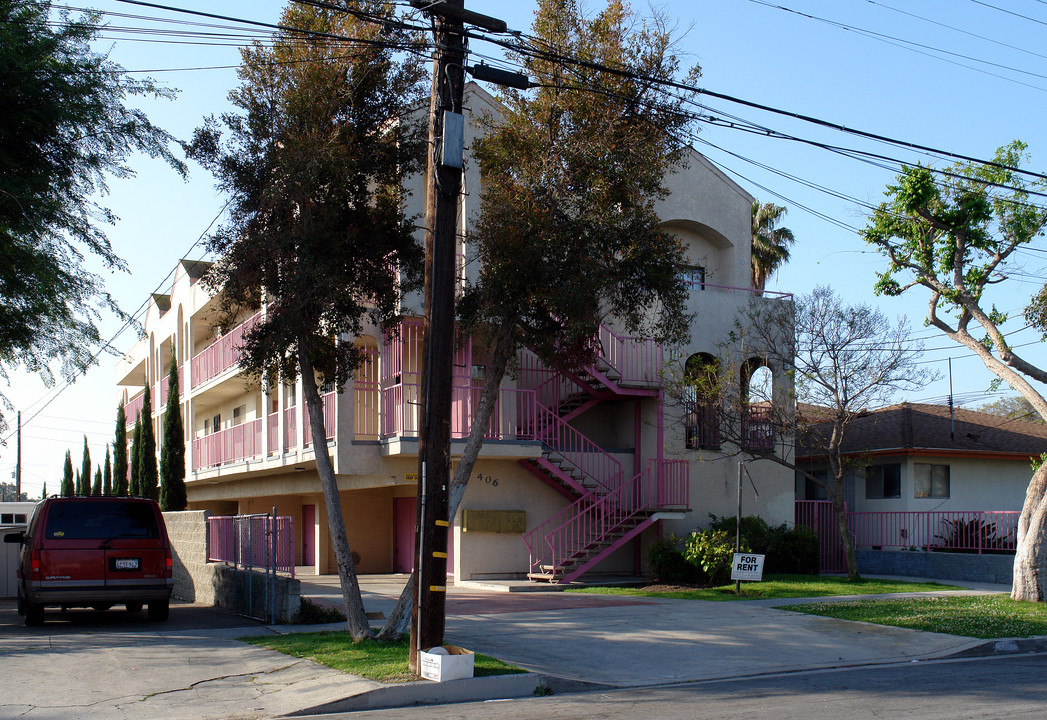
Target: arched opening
{"points": [[756, 398], [701, 396]]}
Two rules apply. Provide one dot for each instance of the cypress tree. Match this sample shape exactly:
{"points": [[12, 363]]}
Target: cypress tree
{"points": [[84, 485], [68, 490], [43, 491], [136, 450], [120, 453], [96, 487], [172, 449], [148, 476], [107, 475]]}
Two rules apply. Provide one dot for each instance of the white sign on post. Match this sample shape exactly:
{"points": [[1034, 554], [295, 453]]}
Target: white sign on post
{"points": [[747, 566]]}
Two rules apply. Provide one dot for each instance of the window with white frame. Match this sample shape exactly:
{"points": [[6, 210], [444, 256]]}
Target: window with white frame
{"points": [[931, 481]]}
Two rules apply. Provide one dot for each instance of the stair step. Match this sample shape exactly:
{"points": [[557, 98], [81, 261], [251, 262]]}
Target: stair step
{"points": [[543, 577]]}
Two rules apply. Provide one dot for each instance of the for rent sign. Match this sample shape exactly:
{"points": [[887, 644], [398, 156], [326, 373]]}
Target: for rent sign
{"points": [[747, 566]]}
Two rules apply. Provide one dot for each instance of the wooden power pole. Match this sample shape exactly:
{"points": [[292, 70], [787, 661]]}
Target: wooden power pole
{"points": [[443, 187]]}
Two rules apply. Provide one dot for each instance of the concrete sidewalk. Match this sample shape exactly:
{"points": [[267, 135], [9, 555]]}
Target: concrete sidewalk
{"points": [[569, 641]]}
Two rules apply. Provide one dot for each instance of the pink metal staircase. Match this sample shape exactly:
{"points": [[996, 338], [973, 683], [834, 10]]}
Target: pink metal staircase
{"points": [[607, 510]]}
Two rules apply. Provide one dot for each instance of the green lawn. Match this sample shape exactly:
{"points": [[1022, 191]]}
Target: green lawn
{"points": [[384, 662], [980, 616], [775, 587]]}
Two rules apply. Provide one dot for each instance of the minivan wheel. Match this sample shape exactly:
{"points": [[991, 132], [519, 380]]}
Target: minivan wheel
{"points": [[159, 610], [134, 607], [34, 614]]}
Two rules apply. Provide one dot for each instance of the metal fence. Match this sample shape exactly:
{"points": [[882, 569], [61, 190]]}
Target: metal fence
{"points": [[963, 530], [252, 541]]}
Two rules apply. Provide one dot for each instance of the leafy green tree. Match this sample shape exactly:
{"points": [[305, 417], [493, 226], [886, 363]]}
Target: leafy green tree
{"points": [[314, 163], [84, 478], [107, 475], [134, 462], [120, 453], [148, 476], [957, 238], [770, 243], [1013, 407], [172, 449], [65, 129], [567, 233]]}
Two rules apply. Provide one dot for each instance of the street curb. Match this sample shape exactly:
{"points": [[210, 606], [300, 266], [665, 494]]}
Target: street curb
{"points": [[1004, 646], [425, 692]]}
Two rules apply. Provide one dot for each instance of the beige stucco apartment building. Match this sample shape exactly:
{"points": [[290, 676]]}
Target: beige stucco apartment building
{"points": [[558, 450]]}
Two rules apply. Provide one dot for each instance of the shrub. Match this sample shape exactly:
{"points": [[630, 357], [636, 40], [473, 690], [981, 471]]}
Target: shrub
{"points": [[668, 564], [787, 549], [711, 552], [311, 612]]}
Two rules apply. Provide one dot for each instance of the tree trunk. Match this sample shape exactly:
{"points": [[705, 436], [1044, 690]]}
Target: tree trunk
{"points": [[845, 533], [1030, 560], [397, 622], [356, 618]]}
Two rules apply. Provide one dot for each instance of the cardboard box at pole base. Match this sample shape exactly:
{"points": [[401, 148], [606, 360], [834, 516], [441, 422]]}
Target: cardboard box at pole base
{"points": [[446, 662]]}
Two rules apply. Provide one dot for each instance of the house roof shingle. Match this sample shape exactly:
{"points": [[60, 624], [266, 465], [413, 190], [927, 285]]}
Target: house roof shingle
{"points": [[913, 426]]}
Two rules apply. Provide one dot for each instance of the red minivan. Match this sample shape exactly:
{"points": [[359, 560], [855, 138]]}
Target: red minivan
{"points": [[94, 552]]}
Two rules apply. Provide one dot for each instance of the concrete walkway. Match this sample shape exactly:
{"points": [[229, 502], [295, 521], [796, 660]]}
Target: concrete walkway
{"points": [[117, 668]]}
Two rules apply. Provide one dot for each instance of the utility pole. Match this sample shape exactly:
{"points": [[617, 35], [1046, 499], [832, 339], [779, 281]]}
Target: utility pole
{"points": [[443, 187], [18, 461], [443, 190]]}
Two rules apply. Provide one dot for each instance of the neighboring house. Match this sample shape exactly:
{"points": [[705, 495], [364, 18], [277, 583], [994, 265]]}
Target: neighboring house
{"points": [[564, 453], [912, 457]]}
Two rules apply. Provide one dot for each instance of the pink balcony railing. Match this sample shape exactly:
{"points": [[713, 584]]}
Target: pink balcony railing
{"points": [[329, 425], [513, 417], [290, 428], [222, 354], [400, 405], [971, 531], [273, 432], [757, 432], [163, 388], [636, 360], [230, 445], [133, 408], [587, 523], [252, 541], [701, 285]]}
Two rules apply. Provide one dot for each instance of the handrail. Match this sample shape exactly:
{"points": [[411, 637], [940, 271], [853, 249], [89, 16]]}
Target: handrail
{"points": [[663, 485], [751, 291], [592, 460]]}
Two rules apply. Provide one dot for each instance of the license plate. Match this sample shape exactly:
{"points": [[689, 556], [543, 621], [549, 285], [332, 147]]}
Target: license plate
{"points": [[125, 564]]}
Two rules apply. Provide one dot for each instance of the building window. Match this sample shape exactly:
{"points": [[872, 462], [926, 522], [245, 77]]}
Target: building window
{"points": [[238, 414], [931, 481], [216, 423], [695, 275], [814, 491], [883, 481], [478, 373]]}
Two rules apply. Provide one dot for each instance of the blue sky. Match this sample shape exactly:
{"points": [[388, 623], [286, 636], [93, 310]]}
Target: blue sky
{"points": [[960, 75]]}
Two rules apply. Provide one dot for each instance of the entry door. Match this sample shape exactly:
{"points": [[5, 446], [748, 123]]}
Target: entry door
{"points": [[404, 510], [309, 534]]}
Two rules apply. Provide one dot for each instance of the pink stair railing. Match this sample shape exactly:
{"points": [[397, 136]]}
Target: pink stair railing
{"points": [[580, 527], [593, 461]]}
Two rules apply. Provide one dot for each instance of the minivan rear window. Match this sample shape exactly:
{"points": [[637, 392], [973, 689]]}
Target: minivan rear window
{"points": [[101, 521]]}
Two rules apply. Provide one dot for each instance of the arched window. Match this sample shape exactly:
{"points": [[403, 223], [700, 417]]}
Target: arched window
{"points": [[701, 397], [757, 392]]}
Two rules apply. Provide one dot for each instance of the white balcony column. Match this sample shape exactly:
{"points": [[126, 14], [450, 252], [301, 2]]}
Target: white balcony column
{"points": [[301, 417], [264, 413]]}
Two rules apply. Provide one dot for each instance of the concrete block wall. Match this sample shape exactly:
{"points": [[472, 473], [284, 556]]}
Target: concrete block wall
{"points": [[188, 533], [221, 585], [937, 565]]}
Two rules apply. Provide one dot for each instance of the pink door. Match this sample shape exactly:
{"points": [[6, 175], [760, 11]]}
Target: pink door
{"points": [[403, 534], [309, 534]]}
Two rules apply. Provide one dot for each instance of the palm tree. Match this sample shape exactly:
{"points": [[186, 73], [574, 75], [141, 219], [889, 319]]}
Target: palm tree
{"points": [[770, 244]]}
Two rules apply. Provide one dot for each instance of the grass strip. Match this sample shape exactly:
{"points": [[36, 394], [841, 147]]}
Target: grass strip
{"points": [[978, 616], [775, 587], [385, 662]]}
